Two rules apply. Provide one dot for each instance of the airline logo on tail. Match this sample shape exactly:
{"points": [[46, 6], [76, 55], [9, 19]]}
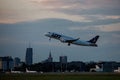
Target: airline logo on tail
{"points": [[94, 40]]}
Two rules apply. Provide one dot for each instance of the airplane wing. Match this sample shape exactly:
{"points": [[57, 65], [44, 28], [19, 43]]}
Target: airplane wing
{"points": [[72, 40], [69, 41]]}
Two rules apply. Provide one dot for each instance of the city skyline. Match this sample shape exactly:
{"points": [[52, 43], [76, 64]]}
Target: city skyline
{"points": [[7, 63], [26, 21]]}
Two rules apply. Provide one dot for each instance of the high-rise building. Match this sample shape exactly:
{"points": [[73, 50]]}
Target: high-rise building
{"points": [[63, 62], [16, 62], [29, 56], [6, 63], [63, 59]]}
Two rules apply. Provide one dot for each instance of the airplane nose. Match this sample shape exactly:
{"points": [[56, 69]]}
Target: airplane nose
{"points": [[46, 34]]}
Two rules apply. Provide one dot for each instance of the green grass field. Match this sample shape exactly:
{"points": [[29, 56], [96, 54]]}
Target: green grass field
{"points": [[61, 76]]}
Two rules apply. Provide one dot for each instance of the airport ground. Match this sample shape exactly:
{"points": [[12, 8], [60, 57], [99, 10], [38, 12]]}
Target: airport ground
{"points": [[60, 76]]}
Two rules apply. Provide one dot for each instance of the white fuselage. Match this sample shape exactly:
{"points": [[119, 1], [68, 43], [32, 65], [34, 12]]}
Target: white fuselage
{"points": [[70, 40], [28, 71], [77, 42]]}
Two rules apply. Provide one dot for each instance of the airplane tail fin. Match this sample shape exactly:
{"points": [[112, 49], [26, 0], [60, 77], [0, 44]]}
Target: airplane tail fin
{"points": [[94, 40], [27, 70], [97, 67]]}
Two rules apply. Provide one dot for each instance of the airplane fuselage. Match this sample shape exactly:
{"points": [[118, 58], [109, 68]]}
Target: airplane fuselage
{"points": [[70, 40]]}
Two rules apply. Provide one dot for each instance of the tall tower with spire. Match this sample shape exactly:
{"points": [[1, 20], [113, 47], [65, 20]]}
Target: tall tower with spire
{"points": [[50, 59], [29, 55]]}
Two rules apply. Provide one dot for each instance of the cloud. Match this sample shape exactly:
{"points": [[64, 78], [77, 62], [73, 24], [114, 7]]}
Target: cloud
{"points": [[85, 10], [82, 7], [13, 12], [108, 25], [76, 10], [110, 28]]}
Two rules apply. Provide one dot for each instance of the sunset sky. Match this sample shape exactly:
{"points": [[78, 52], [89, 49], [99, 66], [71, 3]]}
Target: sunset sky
{"points": [[25, 21]]}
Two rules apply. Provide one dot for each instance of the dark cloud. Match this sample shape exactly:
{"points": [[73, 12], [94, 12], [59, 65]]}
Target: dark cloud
{"points": [[97, 11], [53, 23], [85, 7], [101, 8], [14, 38]]}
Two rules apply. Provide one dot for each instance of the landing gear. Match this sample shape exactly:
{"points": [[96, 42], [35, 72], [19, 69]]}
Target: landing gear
{"points": [[68, 44], [49, 39]]}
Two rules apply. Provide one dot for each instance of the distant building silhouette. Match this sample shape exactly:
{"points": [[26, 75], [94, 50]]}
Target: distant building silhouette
{"points": [[63, 59], [6, 63], [29, 56], [16, 62], [49, 59], [76, 66], [109, 66], [63, 63]]}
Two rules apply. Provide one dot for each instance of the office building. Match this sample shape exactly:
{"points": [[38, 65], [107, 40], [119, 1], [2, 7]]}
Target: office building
{"points": [[63, 59], [63, 63], [110, 66], [6, 63], [29, 56], [16, 62]]}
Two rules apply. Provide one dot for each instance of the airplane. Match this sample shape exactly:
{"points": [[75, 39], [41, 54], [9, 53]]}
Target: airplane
{"points": [[70, 40], [117, 70], [96, 69], [28, 71], [15, 71]]}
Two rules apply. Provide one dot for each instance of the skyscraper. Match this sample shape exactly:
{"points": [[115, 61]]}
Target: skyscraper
{"points": [[16, 62], [6, 63], [63, 62], [63, 59], [29, 56]]}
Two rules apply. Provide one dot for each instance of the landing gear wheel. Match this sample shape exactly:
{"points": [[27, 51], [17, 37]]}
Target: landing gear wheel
{"points": [[68, 44]]}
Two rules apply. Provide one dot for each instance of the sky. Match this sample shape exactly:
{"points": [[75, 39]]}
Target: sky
{"points": [[24, 22]]}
